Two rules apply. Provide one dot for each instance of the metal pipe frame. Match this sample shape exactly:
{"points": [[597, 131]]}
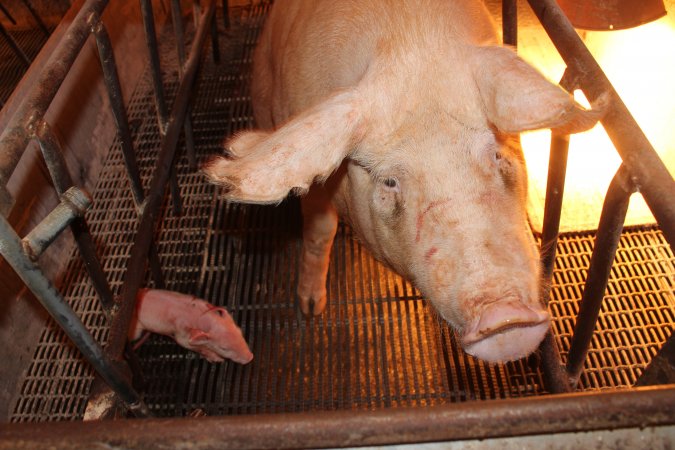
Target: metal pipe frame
{"points": [[12, 250], [138, 259], [646, 169], [643, 407], [606, 242], [56, 164], [15, 137], [74, 203]]}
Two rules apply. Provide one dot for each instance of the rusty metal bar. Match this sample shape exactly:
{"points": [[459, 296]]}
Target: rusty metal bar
{"points": [[470, 420], [14, 46], [7, 14], [647, 170], [226, 13], [74, 203], [137, 262], [510, 22], [112, 82], [606, 242], [56, 164], [180, 48], [107, 58], [13, 252], [36, 16], [15, 137]]}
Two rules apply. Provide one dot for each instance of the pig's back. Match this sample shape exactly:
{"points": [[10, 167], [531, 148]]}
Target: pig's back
{"points": [[311, 48]]}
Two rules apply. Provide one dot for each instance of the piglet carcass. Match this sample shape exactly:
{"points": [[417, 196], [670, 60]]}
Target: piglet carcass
{"points": [[402, 116], [193, 323]]}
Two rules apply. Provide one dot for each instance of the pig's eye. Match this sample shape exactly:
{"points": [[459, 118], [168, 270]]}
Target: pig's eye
{"points": [[391, 183]]}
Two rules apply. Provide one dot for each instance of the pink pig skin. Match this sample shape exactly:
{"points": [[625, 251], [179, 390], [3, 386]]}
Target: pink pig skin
{"points": [[193, 323]]}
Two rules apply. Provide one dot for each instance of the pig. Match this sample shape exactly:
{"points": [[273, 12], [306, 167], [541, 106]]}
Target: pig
{"points": [[403, 118], [193, 323]]}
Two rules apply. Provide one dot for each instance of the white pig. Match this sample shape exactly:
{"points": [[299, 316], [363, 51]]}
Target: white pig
{"points": [[402, 117]]}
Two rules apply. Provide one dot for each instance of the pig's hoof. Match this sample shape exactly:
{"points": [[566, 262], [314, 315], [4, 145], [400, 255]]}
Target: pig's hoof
{"points": [[309, 306]]}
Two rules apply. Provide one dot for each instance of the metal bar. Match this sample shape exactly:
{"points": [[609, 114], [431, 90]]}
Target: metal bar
{"points": [[15, 137], [551, 364], [12, 250], [7, 14], [155, 70], [160, 98], [56, 164], [510, 22], [214, 42], [74, 203], [35, 15], [607, 238], [15, 46], [137, 261], [112, 82], [180, 48], [649, 173], [644, 407], [226, 13]]}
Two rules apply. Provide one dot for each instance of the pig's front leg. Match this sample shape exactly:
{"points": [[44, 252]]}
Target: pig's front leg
{"points": [[320, 221]]}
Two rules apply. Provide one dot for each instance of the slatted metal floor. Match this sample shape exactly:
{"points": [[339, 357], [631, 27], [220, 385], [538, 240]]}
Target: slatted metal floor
{"points": [[377, 345]]}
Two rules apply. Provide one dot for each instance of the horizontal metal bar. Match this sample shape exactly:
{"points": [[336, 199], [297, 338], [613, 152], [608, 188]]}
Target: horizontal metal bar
{"points": [[607, 238], [74, 203], [138, 259], [469, 420], [15, 136], [50, 298], [647, 170]]}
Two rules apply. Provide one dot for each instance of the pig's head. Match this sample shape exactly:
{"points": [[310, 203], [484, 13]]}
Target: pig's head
{"points": [[216, 337], [435, 184]]}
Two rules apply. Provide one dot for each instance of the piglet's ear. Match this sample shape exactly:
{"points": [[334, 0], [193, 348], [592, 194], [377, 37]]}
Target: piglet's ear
{"points": [[518, 98], [263, 167]]}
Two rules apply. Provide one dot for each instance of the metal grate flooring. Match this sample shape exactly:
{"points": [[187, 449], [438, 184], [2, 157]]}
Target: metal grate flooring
{"points": [[11, 67], [377, 345]]}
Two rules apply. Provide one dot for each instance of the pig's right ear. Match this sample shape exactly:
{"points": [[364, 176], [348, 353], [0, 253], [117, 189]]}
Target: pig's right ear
{"points": [[518, 98], [263, 167]]}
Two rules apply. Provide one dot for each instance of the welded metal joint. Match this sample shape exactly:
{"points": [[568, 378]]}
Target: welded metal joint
{"points": [[74, 203]]}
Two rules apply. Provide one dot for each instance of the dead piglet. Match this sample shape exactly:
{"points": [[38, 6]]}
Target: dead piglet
{"points": [[193, 323]]}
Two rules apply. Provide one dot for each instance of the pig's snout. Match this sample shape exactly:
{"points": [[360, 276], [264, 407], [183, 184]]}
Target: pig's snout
{"points": [[505, 331]]}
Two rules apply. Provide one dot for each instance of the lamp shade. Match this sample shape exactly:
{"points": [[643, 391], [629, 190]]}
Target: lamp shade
{"points": [[604, 15]]}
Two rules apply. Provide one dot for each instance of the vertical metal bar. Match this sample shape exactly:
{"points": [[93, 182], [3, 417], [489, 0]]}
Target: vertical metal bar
{"points": [[61, 312], [226, 13], [35, 15], [180, 47], [160, 99], [510, 22], [112, 82], [56, 164], [14, 46], [155, 70], [214, 41], [607, 238]]}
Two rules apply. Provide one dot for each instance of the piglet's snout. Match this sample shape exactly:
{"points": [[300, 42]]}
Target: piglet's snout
{"points": [[505, 330]]}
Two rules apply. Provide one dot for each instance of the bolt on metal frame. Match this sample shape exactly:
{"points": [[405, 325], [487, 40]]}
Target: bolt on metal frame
{"points": [[28, 124]]}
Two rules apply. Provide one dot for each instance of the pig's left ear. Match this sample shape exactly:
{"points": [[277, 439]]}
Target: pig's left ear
{"points": [[518, 98], [263, 167]]}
